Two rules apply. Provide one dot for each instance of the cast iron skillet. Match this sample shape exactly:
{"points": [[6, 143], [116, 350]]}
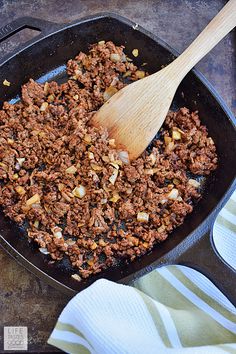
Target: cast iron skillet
{"points": [[44, 58]]}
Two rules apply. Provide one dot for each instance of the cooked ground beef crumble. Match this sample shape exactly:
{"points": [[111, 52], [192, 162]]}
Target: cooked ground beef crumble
{"points": [[79, 195]]}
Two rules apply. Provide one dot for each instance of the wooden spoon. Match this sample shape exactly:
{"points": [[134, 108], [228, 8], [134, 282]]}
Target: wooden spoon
{"points": [[134, 115]]}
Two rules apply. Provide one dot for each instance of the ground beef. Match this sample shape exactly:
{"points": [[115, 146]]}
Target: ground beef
{"points": [[56, 169]]}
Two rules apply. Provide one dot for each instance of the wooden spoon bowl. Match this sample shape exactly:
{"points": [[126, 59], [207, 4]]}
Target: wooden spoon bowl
{"points": [[134, 115]]}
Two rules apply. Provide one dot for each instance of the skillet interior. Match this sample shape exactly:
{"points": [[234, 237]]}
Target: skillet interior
{"points": [[46, 60]]}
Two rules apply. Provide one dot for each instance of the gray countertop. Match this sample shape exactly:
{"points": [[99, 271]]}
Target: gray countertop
{"points": [[24, 299]]}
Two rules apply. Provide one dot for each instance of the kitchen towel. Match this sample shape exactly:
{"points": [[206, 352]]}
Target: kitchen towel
{"points": [[173, 309]]}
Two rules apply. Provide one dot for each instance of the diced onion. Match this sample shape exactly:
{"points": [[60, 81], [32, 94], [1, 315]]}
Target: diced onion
{"points": [[3, 165], [167, 140], [118, 162], [70, 242], [170, 147], [57, 232], [79, 191], [140, 74], [44, 106], [42, 134], [143, 217], [87, 138], [112, 142], [71, 170], [51, 98], [114, 176], [135, 52], [76, 277], [33, 200], [163, 201], [36, 224], [15, 176], [90, 262], [152, 159], [20, 160], [43, 250], [174, 193], [96, 167], [80, 224], [127, 74], [106, 189], [150, 171], [109, 92], [176, 135], [193, 182], [90, 155], [6, 82], [35, 132], [115, 198], [124, 156], [45, 89], [176, 181], [101, 42], [115, 165], [123, 58], [102, 243], [210, 141], [104, 201], [20, 190], [115, 57], [180, 199], [93, 246], [105, 158]]}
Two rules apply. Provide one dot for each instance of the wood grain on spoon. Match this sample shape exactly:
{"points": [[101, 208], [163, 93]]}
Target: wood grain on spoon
{"points": [[134, 115]]}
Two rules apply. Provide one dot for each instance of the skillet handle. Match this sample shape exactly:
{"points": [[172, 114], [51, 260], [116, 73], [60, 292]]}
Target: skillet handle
{"points": [[204, 257], [44, 27]]}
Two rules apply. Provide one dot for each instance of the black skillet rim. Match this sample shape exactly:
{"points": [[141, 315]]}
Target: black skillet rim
{"points": [[201, 228]]}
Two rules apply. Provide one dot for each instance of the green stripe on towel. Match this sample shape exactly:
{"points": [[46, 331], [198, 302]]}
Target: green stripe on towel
{"points": [[68, 347], [231, 206], [227, 224], [156, 318], [201, 294], [68, 327], [184, 313]]}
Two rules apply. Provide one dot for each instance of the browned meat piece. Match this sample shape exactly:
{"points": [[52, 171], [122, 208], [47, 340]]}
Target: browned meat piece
{"points": [[80, 196], [33, 93]]}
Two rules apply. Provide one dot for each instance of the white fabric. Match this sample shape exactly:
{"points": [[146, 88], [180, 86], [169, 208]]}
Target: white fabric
{"points": [[132, 328], [114, 320], [207, 287], [110, 318], [225, 241]]}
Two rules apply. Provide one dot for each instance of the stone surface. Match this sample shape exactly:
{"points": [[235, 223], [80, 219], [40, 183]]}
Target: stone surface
{"points": [[24, 299]]}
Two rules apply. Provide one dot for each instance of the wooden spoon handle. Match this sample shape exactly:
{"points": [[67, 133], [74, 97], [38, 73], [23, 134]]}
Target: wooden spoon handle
{"points": [[217, 29]]}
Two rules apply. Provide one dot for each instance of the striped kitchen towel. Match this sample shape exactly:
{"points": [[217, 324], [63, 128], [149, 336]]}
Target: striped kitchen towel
{"points": [[173, 309]]}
